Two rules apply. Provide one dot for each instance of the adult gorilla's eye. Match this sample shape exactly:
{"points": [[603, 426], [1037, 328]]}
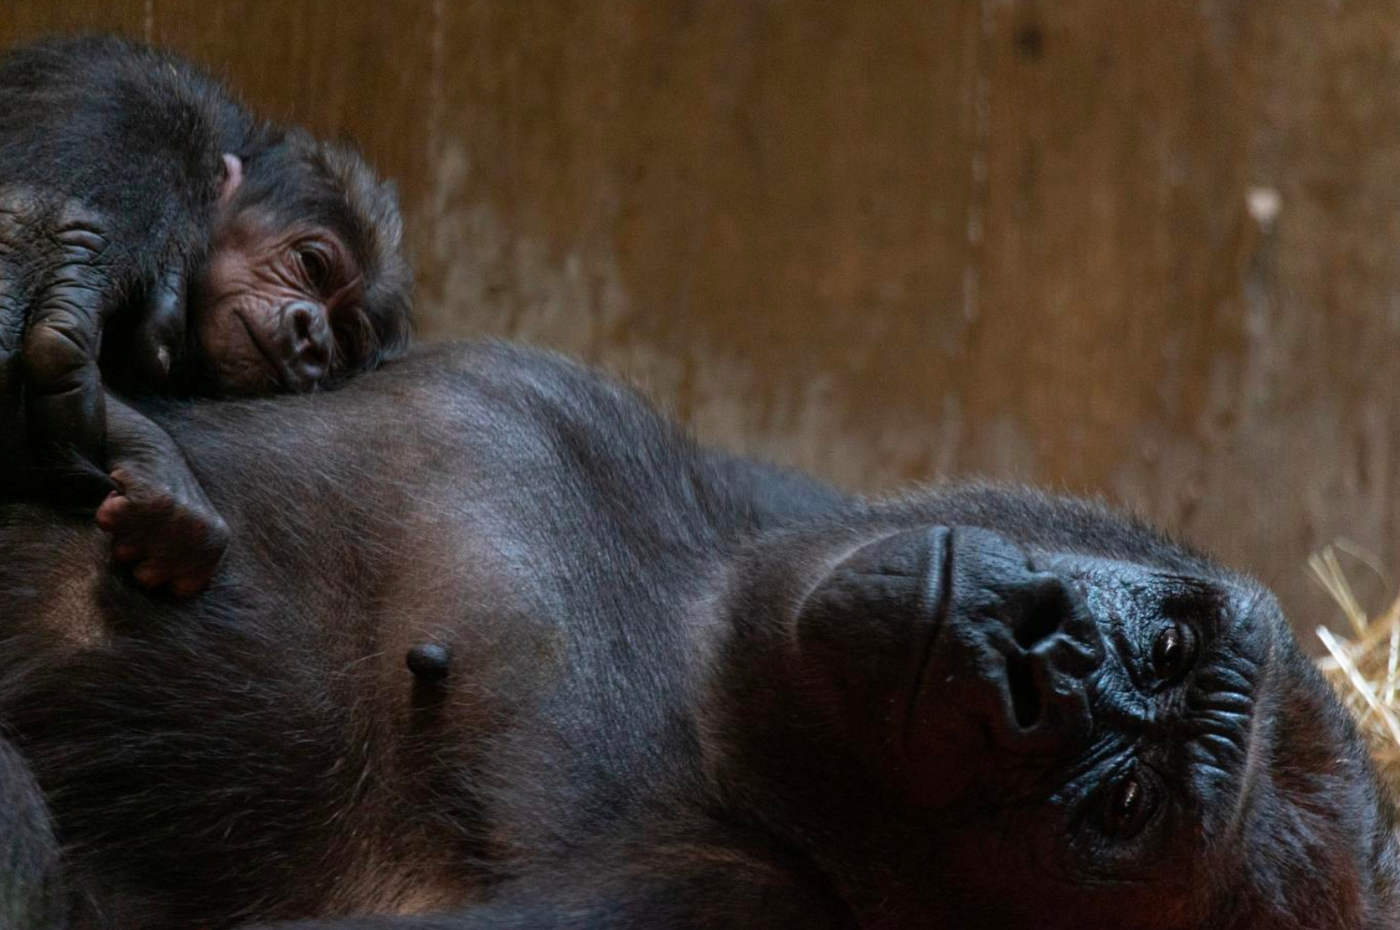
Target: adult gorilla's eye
{"points": [[1173, 652], [1130, 805]]}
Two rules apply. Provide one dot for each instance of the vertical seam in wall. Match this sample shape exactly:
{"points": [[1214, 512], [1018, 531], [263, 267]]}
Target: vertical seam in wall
{"points": [[437, 53], [977, 196]]}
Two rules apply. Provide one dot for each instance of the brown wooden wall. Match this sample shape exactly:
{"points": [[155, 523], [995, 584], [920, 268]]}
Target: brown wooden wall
{"points": [[1149, 249]]}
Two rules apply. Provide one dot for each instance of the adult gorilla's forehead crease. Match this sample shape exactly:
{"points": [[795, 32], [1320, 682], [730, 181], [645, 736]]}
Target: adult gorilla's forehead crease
{"points": [[1310, 802], [1243, 691], [671, 688], [1056, 524]]}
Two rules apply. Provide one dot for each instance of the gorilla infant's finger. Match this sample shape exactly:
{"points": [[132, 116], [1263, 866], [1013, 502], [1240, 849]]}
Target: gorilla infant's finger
{"points": [[174, 538], [150, 574], [188, 585], [109, 515], [186, 565]]}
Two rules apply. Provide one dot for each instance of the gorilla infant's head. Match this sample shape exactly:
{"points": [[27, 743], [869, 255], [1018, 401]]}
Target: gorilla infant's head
{"points": [[1049, 717]]}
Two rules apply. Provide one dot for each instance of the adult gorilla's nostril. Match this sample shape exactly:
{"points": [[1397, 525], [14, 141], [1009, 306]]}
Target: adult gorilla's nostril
{"points": [[1030, 634], [1026, 705], [1035, 605], [1038, 610]]}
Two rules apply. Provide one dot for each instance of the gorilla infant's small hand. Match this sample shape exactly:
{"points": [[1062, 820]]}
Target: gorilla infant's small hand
{"points": [[165, 529]]}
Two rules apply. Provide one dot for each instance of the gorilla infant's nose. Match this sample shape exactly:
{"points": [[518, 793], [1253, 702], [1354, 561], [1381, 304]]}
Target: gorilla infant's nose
{"points": [[308, 338]]}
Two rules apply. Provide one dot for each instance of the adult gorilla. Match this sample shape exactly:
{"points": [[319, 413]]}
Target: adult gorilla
{"points": [[652, 686]]}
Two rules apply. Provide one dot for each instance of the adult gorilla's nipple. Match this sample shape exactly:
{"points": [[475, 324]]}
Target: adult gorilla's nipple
{"points": [[429, 662]]}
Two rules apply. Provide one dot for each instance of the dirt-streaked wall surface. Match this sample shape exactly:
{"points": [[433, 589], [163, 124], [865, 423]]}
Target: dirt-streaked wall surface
{"points": [[1144, 249]]}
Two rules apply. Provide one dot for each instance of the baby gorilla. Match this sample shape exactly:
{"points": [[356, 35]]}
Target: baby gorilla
{"points": [[155, 236]]}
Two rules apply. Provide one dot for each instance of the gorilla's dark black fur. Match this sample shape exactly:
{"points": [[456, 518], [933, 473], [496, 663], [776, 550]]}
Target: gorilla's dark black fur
{"points": [[29, 891], [675, 690]]}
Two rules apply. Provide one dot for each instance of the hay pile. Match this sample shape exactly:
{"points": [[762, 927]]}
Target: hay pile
{"points": [[1363, 666]]}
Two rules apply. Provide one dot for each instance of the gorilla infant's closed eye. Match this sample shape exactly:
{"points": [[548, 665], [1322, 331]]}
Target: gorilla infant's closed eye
{"points": [[560, 668]]}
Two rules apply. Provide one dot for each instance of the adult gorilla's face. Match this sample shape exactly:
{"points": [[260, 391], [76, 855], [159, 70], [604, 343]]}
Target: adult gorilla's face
{"points": [[1049, 737]]}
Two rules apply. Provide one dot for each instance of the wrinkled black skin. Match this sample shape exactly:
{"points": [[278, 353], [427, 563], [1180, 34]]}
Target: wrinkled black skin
{"points": [[111, 165], [683, 690]]}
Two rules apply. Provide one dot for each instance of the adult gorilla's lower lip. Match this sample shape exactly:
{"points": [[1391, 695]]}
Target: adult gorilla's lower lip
{"points": [[868, 634]]}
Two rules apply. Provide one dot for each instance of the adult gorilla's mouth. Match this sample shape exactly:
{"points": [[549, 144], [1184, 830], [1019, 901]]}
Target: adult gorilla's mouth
{"points": [[1031, 609]]}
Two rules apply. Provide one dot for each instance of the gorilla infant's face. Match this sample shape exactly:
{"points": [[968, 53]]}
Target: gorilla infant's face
{"points": [[1052, 736]]}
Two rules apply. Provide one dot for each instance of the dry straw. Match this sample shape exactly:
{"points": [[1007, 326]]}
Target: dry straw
{"points": [[1363, 666]]}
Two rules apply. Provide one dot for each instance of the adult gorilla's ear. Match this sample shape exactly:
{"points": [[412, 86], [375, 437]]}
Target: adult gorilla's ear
{"points": [[923, 644]]}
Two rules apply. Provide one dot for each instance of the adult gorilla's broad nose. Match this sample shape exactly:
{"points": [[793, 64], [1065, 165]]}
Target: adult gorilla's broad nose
{"points": [[950, 636], [1027, 633]]}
